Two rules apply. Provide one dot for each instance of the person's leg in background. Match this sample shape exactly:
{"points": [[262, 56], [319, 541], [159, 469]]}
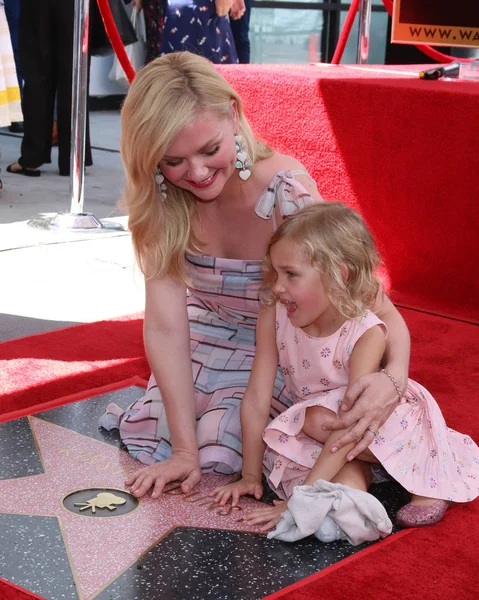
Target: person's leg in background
{"points": [[240, 29], [36, 61], [154, 11], [12, 12], [64, 19]]}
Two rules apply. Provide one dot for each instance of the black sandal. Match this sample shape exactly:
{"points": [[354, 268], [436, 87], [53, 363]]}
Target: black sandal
{"points": [[24, 171]]}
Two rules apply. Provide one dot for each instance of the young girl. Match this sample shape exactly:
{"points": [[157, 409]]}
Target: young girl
{"points": [[320, 286]]}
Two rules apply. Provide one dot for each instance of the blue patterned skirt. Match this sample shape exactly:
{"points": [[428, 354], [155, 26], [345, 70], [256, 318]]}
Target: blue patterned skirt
{"points": [[194, 26]]}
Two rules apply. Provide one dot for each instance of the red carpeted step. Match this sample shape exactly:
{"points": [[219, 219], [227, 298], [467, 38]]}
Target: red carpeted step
{"points": [[401, 150]]}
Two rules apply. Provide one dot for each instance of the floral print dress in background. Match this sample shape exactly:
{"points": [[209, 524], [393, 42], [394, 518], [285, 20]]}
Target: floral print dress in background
{"points": [[414, 445], [154, 20], [194, 26]]}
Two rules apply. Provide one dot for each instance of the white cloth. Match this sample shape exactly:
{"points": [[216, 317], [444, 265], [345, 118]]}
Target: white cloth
{"points": [[332, 511]]}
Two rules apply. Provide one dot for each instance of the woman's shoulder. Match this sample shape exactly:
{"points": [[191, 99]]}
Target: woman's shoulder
{"points": [[271, 167], [286, 187]]}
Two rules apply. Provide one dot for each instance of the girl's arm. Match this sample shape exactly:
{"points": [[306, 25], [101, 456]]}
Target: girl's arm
{"points": [[365, 358], [167, 344], [255, 410], [256, 403], [372, 398]]}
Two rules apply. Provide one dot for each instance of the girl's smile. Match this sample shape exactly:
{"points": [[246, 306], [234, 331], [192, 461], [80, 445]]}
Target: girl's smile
{"points": [[290, 307]]}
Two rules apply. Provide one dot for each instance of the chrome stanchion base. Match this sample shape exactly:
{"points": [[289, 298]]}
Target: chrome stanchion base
{"points": [[81, 222]]}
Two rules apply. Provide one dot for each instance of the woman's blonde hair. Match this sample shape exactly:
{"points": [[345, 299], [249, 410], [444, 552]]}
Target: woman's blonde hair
{"points": [[331, 235], [164, 97]]}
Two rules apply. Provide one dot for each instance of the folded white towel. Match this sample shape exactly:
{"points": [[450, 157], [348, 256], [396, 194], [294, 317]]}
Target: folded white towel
{"points": [[332, 511]]}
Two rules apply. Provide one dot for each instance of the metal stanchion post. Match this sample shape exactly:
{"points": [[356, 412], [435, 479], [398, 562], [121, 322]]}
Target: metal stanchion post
{"points": [[76, 219], [364, 31]]}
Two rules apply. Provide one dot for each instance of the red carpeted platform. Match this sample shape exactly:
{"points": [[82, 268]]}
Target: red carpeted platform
{"points": [[402, 150], [41, 368]]}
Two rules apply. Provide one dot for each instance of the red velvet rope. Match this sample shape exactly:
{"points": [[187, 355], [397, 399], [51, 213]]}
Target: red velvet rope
{"points": [[388, 5], [115, 39], [345, 31]]}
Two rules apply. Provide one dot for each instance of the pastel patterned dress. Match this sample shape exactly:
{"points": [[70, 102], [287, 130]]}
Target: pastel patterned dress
{"points": [[195, 27], [414, 445], [223, 306]]}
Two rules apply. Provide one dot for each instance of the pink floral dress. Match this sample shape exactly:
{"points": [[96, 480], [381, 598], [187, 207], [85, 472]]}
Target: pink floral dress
{"points": [[414, 445]]}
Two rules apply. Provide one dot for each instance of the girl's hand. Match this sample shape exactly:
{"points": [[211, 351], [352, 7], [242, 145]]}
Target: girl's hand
{"points": [[223, 7], [269, 516], [238, 9], [181, 466], [369, 402], [246, 485]]}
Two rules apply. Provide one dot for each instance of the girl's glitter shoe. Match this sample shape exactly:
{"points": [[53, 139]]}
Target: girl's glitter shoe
{"points": [[418, 516]]}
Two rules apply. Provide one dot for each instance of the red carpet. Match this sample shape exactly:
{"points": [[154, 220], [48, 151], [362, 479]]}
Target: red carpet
{"points": [[438, 562], [402, 150], [9, 591], [47, 366]]}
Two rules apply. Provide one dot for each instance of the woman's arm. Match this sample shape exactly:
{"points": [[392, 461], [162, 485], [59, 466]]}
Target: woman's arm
{"points": [[223, 7], [167, 343], [398, 344], [372, 398], [255, 410]]}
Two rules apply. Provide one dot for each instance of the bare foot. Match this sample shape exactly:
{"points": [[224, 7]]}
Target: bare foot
{"points": [[421, 500], [269, 516]]}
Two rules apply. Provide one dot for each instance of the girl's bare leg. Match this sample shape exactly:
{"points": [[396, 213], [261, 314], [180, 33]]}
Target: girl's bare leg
{"points": [[355, 474]]}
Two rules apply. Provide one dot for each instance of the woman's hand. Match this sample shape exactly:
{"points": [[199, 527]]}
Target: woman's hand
{"points": [[137, 5], [368, 404], [238, 9], [223, 7], [181, 466], [246, 485]]}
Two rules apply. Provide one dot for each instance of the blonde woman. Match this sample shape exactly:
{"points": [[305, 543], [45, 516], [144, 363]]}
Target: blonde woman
{"points": [[318, 324], [203, 197]]}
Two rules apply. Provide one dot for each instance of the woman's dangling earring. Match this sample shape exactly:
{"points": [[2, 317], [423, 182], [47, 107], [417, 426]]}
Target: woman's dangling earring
{"points": [[160, 182], [243, 162]]}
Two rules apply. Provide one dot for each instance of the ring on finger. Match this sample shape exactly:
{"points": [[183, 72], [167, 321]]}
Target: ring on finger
{"points": [[376, 433]]}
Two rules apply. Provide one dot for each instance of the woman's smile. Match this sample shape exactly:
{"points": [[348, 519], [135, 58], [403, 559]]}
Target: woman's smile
{"points": [[205, 183]]}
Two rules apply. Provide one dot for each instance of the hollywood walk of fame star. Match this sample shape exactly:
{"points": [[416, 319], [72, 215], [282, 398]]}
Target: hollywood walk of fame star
{"points": [[101, 549]]}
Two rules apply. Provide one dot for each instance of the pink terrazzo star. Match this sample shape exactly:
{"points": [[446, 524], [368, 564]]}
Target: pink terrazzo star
{"points": [[102, 549]]}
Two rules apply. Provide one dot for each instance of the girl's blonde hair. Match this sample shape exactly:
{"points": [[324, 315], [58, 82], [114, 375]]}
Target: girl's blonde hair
{"points": [[332, 235], [165, 96]]}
